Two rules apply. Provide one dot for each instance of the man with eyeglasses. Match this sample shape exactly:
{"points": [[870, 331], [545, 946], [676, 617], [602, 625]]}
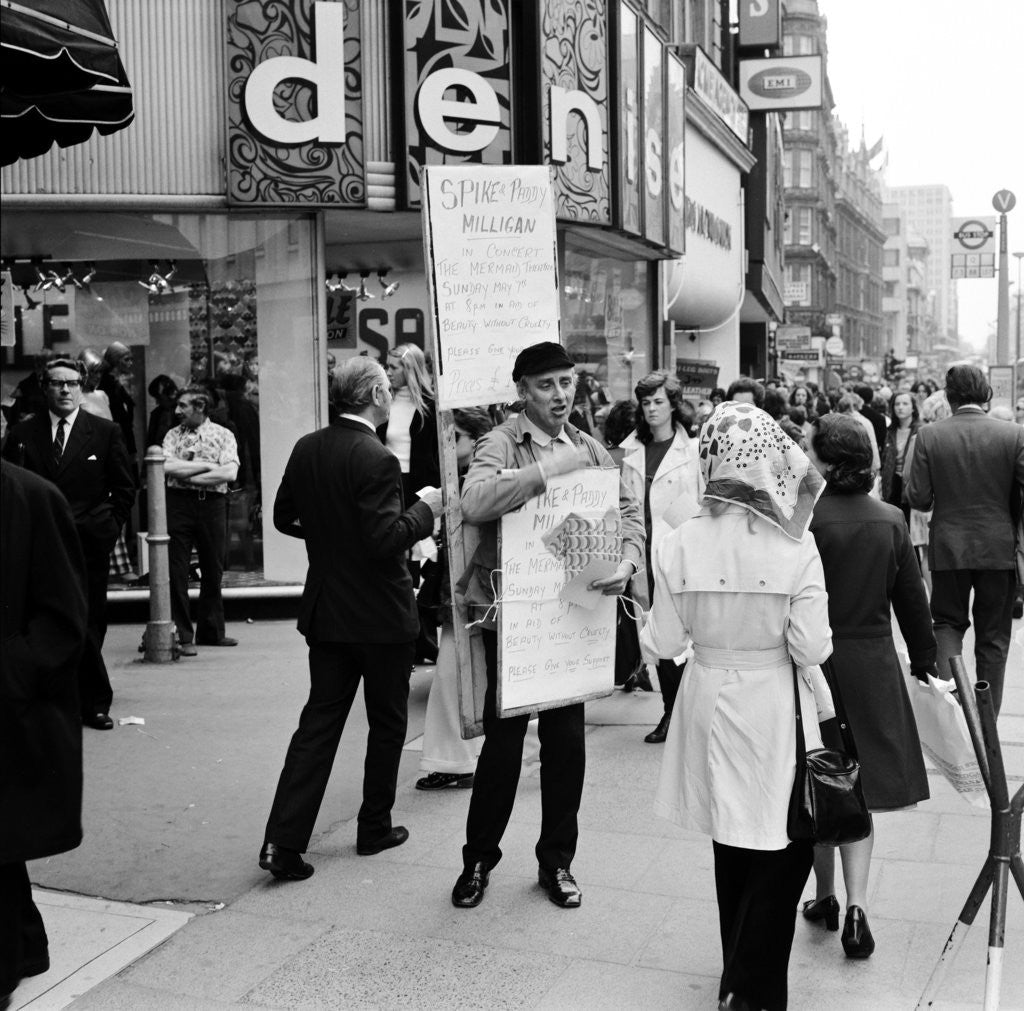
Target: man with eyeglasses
{"points": [[85, 457], [201, 461]]}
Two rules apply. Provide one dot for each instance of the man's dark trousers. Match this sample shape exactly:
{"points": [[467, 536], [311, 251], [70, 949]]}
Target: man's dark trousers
{"points": [[94, 691], [563, 762], [335, 669], [992, 614], [197, 518]]}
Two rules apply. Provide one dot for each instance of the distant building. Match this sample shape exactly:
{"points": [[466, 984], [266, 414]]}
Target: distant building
{"points": [[859, 250], [809, 168], [929, 211], [909, 328]]}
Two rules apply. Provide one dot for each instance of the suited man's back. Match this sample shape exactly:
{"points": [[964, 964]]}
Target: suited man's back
{"points": [[968, 465], [341, 493]]}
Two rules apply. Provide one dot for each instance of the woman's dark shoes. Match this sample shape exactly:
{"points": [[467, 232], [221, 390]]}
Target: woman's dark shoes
{"points": [[857, 939], [98, 721], [561, 887], [826, 909], [395, 837], [284, 864], [660, 732], [470, 886]]}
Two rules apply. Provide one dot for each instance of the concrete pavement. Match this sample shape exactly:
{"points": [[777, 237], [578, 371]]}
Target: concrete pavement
{"points": [[174, 814]]}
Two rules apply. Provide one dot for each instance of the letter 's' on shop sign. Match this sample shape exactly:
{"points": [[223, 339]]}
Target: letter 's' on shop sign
{"points": [[328, 126]]}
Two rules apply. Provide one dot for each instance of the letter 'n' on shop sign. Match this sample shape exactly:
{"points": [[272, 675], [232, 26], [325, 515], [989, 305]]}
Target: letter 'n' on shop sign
{"points": [[328, 125]]}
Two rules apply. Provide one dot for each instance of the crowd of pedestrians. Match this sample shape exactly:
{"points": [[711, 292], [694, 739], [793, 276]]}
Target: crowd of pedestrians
{"points": [[764, 529]]}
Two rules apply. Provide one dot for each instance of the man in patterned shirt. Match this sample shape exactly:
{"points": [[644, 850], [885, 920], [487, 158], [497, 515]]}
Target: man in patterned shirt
{"points": [[201, 460]]}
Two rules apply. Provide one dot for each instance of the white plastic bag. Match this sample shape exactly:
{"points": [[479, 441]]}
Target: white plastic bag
{"points": [[945, 739]]}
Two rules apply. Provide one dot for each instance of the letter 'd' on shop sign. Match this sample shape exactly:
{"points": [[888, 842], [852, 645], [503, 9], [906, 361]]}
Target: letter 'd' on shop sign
{"points": [[326, 73]]}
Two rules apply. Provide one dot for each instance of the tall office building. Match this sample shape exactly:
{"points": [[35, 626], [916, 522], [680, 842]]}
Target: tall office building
{"points": [[929, 211]]}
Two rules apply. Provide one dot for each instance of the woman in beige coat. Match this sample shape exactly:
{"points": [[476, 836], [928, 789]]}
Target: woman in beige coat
{"points": [[742, 582]]}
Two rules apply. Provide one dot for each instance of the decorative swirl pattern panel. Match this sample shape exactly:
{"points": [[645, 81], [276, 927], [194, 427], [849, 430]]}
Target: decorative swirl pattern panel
{"points": [[574, 56], [316, 174]]}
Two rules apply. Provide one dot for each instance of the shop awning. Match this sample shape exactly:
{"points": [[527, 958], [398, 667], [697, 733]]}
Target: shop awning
{"points": [[60, 76]]}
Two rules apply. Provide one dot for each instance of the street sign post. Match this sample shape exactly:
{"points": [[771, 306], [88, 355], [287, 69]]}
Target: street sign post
{"points": [[1004, 202]]}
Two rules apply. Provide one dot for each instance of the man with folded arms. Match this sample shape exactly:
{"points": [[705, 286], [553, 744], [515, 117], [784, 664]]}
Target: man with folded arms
{"points": [[512, 464], [201, 461], [342, 494], [85, 457]]}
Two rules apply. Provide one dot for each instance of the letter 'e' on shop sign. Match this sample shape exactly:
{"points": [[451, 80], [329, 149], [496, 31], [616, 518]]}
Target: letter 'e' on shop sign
{"points": [[781, 82]]}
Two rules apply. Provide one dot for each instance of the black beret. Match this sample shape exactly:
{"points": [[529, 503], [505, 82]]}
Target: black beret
{"points": [[539, 358]]}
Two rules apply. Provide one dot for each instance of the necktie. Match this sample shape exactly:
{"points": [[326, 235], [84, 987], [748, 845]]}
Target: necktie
{"points": [[58, 440]]}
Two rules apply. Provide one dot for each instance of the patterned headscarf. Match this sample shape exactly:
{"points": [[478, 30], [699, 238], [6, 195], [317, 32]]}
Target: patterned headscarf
{"points": [[747, 459]]}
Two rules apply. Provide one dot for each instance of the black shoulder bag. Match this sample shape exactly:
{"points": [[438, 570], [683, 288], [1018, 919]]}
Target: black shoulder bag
{"points": [[827, 804]]}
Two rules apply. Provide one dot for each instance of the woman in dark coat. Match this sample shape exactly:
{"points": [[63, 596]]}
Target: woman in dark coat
{"points": [[869, 565], [904, 421], [43, 629]]}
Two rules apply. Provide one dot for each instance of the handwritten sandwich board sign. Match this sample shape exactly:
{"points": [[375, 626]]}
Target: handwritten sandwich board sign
{"points": [[490, 248], [556, 638]]}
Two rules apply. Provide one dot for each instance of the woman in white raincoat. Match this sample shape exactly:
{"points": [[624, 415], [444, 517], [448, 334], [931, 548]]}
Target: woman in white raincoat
{"points": [[660, 468], [742, 582]]}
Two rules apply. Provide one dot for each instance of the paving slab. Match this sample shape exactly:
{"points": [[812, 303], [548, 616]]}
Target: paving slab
{"points": [[90, 940]]}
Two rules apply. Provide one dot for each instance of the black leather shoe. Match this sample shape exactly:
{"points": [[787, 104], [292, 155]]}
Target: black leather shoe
{"points": [[225, 641], [826, 909], [395, 837], [561, 887], [856, 938], [638, 681], [98, 721], [284, 864], [470, 886], [660, 732], [445, 781]]}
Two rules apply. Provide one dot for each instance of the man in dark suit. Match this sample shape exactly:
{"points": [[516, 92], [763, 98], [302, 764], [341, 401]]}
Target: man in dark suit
{"points": [[969, 469], [342, 493], [42, 629], [85, 457]]}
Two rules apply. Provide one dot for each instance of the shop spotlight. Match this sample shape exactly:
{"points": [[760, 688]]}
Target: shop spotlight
{"points": [[51, 279], [364, 295], [389, 289], [157, 283], [336, 282]]}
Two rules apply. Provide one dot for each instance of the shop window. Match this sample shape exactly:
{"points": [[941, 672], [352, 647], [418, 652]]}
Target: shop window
{"points": [[607, 327], [205, 299]]}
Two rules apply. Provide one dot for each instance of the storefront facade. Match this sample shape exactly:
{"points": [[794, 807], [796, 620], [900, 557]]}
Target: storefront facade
{"points": [[262, 222]]}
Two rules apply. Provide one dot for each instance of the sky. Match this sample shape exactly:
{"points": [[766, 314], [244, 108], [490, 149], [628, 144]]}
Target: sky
{"points": [[943, 82]]}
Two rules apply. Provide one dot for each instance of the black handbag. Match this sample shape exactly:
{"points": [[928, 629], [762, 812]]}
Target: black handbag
{"points": [[827, 803]]}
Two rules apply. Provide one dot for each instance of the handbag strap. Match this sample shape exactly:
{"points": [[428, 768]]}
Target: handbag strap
{"points": [[849, 745], [801, 746]]}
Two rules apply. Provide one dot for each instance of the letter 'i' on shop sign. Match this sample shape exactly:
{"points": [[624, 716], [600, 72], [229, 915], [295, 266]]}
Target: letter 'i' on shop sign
{"points": [[326, 74]]}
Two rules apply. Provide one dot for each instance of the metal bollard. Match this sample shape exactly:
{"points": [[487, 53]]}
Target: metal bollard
{"points": [[160, 637]]}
